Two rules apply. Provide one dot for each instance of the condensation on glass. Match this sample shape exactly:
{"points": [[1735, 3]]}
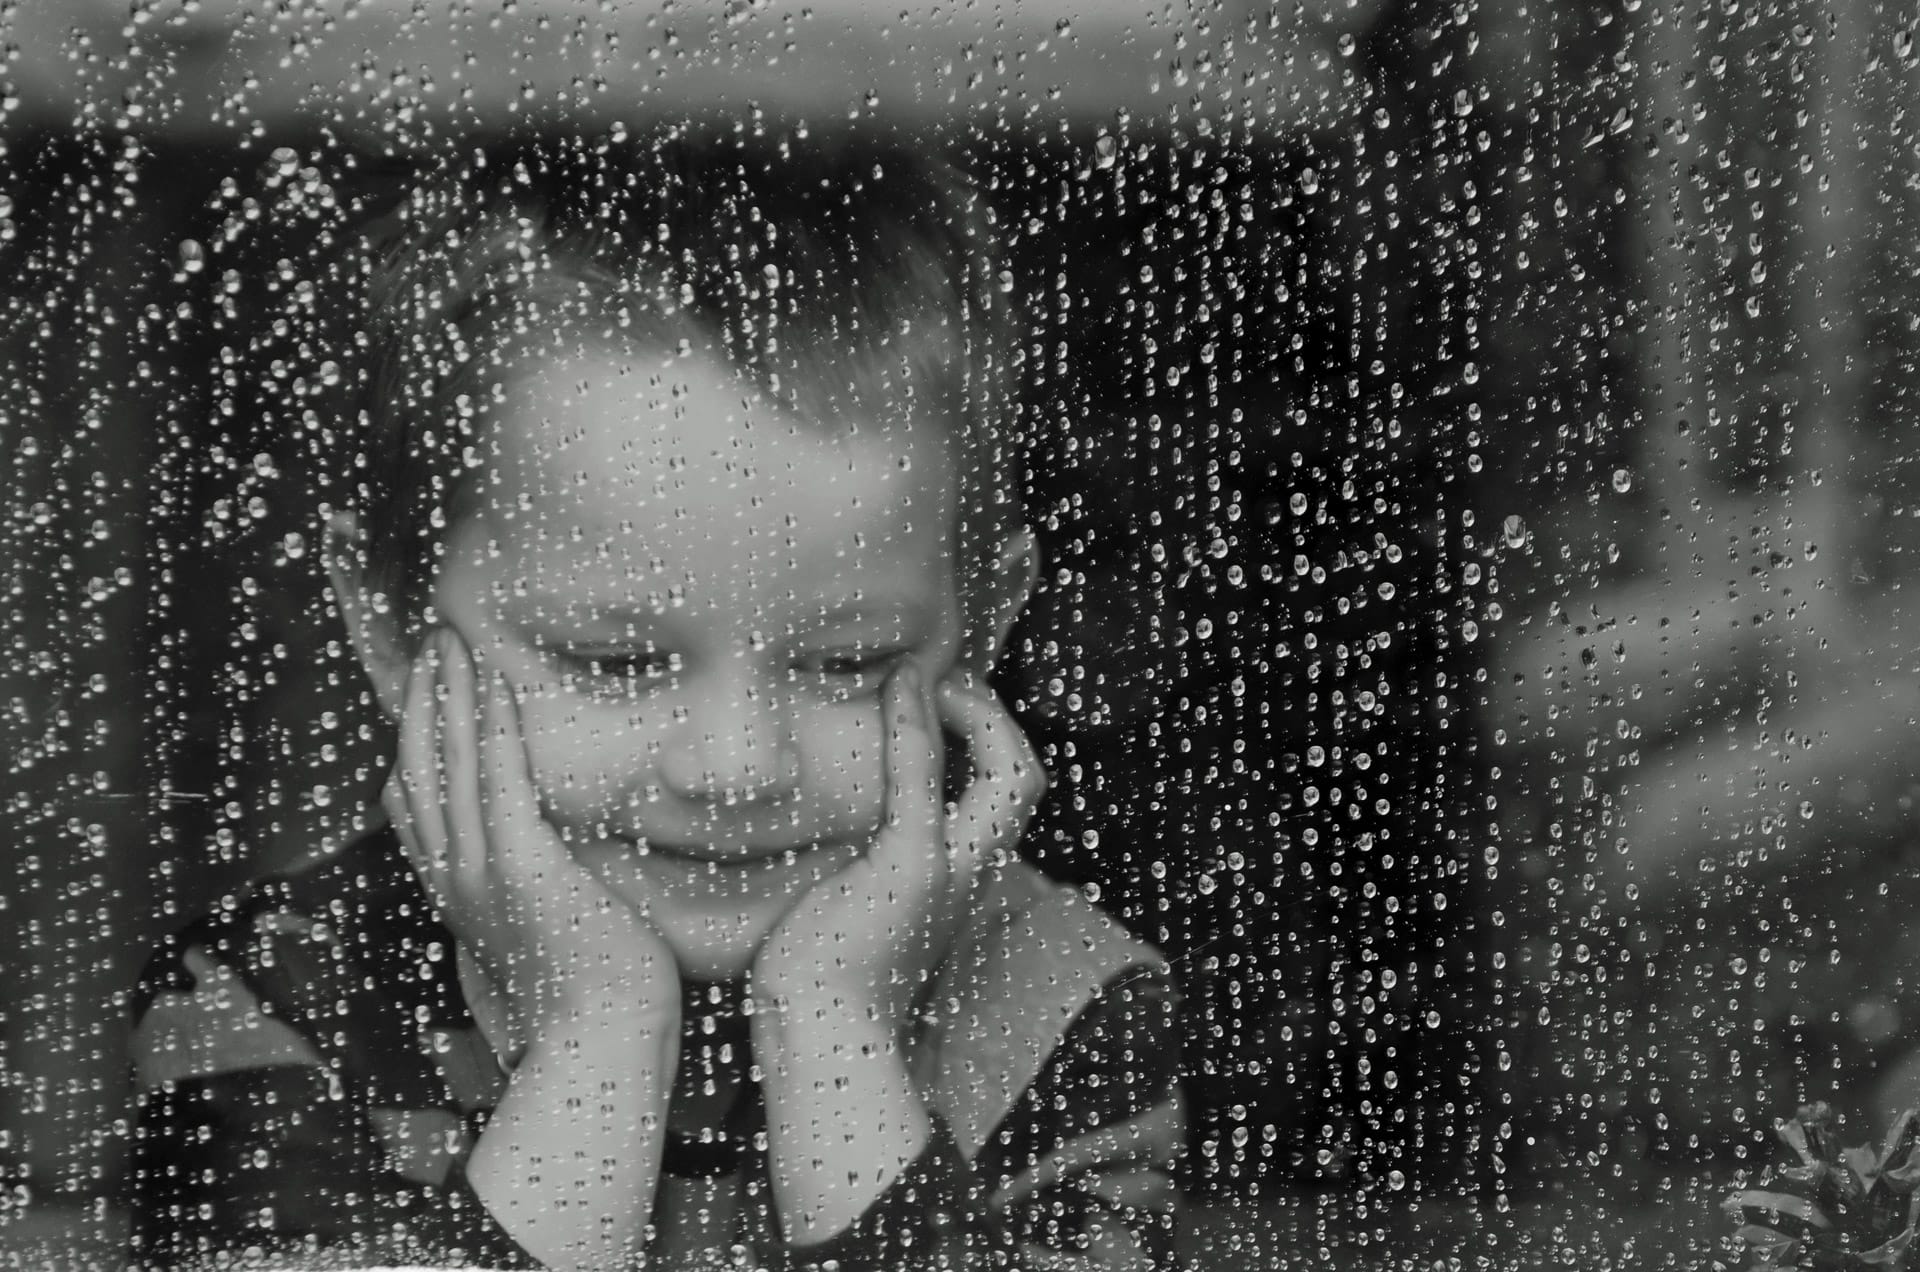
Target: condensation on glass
{"points": [[1400, 511]]}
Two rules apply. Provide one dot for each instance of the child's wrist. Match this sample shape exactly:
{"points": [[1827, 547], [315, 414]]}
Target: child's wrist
{"points": [[812, 979], [823, 1019], [593, 1033], [848, 1003], [577, 1001], [778, 992]]}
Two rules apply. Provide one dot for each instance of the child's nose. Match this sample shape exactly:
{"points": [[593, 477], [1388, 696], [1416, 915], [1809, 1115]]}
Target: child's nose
{"points": [[735, 746]]}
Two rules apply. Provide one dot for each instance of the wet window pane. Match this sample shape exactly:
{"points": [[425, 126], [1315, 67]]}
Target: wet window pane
{"points": [[762, 634]]}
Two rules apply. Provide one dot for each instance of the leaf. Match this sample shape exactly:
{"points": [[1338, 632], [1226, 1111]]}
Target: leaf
{"points": [[1795, 1136], [1890, 1254], [1865, 1165], [1900, 1137], [1762, 1239], [1905, 1176], [1782, 1204], [1818, 1123]]}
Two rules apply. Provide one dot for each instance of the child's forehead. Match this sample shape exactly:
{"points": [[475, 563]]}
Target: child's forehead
{"points": [[681, 451], [664, 408]]}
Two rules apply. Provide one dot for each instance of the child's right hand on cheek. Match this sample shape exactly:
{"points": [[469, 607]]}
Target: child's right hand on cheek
{"points": [[551, 937]]}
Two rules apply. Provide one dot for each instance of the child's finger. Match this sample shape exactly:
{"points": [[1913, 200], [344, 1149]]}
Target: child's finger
{"points": [[460, 754], [509, 802], [393, 798], [418, 819], [1008, 779], [909, 843]]}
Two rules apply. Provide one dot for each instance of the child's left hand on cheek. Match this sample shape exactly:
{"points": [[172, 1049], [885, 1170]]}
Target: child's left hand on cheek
{"points": [[874, 936]]}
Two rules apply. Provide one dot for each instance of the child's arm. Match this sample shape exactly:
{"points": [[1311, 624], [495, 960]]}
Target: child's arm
{"points": [[286, 1108], [864, 1174], [286, 1105], [844, 971], [841, 975], [571, 1157], [1085, 1161], [1078, 1177]]}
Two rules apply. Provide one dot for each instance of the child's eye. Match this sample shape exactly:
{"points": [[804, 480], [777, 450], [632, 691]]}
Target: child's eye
{"points": [[614, 672], [629, 666], [854, 663], [843, 671]]}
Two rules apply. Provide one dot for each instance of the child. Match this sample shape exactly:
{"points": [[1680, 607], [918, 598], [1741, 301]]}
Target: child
{"points": [[685, 533]]}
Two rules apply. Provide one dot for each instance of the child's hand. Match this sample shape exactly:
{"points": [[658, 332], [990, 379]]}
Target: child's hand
{"points": [[875, 934], [553, 939]]}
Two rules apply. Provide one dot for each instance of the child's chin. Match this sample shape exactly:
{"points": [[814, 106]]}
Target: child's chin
{"points": [[714, 964], [716, 949]]}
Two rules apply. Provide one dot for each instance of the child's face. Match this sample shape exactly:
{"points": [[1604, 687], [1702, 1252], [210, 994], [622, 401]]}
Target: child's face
{"points": [[698, 597]]}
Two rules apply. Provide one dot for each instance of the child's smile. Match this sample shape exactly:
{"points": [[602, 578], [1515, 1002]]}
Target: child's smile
{"points": [[697, 595]]}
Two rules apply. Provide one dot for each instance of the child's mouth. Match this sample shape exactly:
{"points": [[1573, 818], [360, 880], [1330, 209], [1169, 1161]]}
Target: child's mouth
{"points": [[724, 858], [718, 880]]}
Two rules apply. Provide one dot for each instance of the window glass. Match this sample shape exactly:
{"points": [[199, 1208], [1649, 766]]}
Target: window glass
{"points": [[1125, 633]]}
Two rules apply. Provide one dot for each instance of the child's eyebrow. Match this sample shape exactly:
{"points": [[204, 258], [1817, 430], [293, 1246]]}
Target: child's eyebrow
{"points": [[537, 608], [904, 613], [638, 619]]}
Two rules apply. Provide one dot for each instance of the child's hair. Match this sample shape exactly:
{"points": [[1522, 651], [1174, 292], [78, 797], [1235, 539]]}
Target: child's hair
{"points": [[821, 273]]}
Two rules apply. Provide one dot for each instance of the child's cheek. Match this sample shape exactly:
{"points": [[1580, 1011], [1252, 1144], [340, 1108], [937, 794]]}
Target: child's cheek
{"points": [[869, 755], [568, 766], [843, 754]]}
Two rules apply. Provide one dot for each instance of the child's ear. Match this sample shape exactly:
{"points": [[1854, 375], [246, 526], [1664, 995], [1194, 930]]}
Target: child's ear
{"points": [[375, 631], [1007, 588]]}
